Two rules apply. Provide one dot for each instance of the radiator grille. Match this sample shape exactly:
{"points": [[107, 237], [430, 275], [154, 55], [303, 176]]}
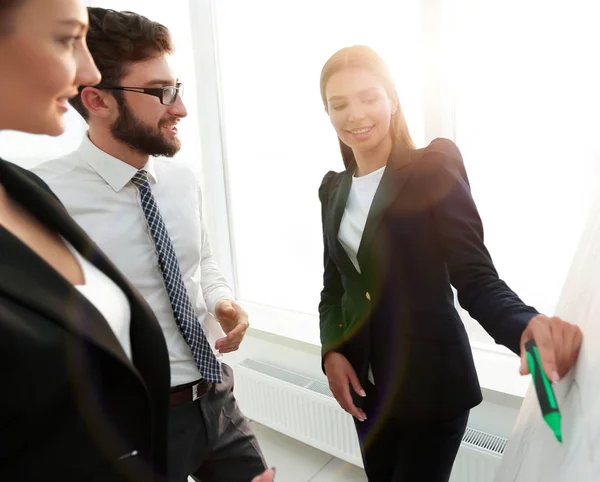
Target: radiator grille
{"points": [[485, 441], [304, 409]]}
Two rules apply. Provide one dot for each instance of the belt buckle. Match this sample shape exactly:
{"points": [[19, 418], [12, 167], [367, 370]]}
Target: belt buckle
{"points": [[194, 392]]}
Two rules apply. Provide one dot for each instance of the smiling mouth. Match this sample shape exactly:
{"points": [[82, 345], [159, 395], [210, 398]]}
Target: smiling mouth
{"points": [[170, 127], [363, 130]]}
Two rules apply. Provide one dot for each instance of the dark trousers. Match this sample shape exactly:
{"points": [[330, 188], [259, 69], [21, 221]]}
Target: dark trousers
{"points": [[400, 450], [211, 440]]}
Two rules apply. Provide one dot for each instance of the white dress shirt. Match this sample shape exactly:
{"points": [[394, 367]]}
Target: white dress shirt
{"points": [[97, 191], [107, 298]]}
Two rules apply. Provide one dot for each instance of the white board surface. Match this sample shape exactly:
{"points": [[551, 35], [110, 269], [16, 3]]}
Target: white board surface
{"points": [[533, 454]]}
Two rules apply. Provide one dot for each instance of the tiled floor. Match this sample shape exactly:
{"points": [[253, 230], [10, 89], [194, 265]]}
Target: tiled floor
{"points": [[297, 462]]}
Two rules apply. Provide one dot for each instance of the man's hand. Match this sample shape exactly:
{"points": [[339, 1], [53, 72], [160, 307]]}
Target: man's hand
{"points": [[558, 343], [341, 375], [234, 321], [267, 476]]}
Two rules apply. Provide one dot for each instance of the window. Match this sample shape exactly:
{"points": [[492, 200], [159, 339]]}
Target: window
{"points": [[508, 82], [278, 140], [526, 122]]}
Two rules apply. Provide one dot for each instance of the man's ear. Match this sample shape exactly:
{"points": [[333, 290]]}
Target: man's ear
{"points": [[97, 102]]}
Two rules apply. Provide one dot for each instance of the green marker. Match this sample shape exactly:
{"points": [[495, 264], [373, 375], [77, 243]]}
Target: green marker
{"points": [[543, 388]]}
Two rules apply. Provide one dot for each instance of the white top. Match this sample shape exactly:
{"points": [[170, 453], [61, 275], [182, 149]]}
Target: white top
{"points": [[357, 209], [96, 190], [107, 297]]}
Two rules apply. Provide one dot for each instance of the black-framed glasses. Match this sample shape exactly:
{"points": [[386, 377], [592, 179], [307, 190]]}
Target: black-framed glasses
{"points": [[167, 95]]}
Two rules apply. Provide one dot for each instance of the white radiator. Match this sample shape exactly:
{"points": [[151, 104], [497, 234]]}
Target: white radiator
{"points": [[304, 409]]}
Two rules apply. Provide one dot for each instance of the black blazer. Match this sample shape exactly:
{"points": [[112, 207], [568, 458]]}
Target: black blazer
{"points": [[73, 407], [423, 234]]}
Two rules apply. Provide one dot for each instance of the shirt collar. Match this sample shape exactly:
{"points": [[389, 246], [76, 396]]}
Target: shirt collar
{"points": [[115, 172]]}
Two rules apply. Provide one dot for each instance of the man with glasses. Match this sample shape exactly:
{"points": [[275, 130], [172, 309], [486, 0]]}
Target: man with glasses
{"points": [[145, 212]]}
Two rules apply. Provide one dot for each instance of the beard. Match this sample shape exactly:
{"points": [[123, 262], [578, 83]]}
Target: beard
{"points": [[141, 137]]}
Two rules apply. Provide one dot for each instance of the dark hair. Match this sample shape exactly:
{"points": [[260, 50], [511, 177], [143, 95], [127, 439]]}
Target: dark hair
{"points": [[360, 56], [7, 10], [117, 39]]}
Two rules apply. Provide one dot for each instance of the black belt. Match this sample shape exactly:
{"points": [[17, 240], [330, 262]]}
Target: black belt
{"points": [[189, 393]]}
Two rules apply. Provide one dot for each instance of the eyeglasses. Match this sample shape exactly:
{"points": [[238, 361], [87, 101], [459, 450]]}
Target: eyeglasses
{"points": [[167, 95]]}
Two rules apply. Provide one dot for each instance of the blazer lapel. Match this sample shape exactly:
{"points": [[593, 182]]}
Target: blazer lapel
{"points": [[47, 291], [394, 177], [337, 202]]}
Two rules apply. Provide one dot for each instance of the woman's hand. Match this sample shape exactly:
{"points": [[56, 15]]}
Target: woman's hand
{"points": [[558, 343], [341, 375]]}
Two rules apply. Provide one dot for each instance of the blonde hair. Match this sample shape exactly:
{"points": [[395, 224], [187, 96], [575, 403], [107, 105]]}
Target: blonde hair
{"points": [[360, 56]]}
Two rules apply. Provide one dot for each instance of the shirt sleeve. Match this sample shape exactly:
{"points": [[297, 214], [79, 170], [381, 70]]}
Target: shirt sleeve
{"points": [[214, 285]]}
